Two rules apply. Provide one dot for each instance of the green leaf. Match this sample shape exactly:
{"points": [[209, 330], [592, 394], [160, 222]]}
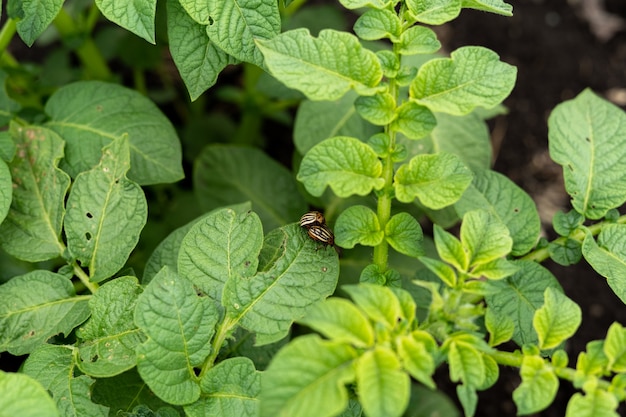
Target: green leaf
{"points": [[497, 269], [416, 359], [358, 224], [90, 114], [231, 388], [404, 234], [109, 338], [484, 237], [436, 180], [492, 6], [136, 17], [434, 12], [565, 223], [389, 62], [198, 10], [597, 403], [124, 392], [7, 147], [357, 4], [520, 296], [557, 320], [105, 213], [587, 136], [376, 24], [379, 303], [615, 348], [426, 402], [237, 24], [227, 174], [450, 249], [198, 60], [473, 76], [8, 109], [224, 244], [319, 120], [607, 256], [53, 367], [298, 275], [323, 68], [345, 164], [499, 326], [538, 388], [468, 397], [23, 396], [307, 378], [6, 191], [414, 121], [418, 40], [178, 325], [32, 229], [378, 109], [497, 194], [566, 252], [35, 307], [166, 253], [441, 269], [383, 387], [341, 321], [33, 17]]}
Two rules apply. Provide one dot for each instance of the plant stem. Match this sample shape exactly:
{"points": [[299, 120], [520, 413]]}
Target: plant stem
{"points": [[222, 332], [78, 271], [6, 34]]}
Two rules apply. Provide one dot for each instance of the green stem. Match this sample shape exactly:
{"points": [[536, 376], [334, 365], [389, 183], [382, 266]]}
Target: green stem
{"points": [[221, 334], [6, 34], [78, 271], [89, 55], [539, 255]]}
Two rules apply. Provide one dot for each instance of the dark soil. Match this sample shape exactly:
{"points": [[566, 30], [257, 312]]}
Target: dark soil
{"points": [[557, 55]]}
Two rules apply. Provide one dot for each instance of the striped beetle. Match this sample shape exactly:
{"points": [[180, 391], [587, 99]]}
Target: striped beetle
{"points": [[312, 218], [321, 234]]}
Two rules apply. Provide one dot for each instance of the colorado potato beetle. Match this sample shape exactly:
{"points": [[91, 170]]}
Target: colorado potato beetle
{"points": [[321, 234], [312, 218]]}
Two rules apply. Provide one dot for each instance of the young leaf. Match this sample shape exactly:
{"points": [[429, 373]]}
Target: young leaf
{"points": [[608, 256], [441, 269], [226, 174], [593, 361], [35, 307], [231, 389], [413, 120], [473, 76], [404, 234], [587, 136], [565, 223], [358, 224], [520, 296], [357, 4], [32, 229], [53, 367], [416, 359], [466, 363], [347, 165], [379, 303], [308, 378], [484, 237], [6, 190], [105, 213], [33, 17], [137, 18], [376, 24], [557, 320], [597, 403], [237, 24], [198, 60], [389, 62], [378, 109], [434, 12], [178, 325], [436, 180], [23, 396], [468, 398], [568, 252], [323, 68], [341, 321], [499, 326], [90, 114], [492, 6], [497, 269], [224, 244], [497, 194], [538, 388], [109, 338], [418, 40], [450, 249], [300, 275], [319, 120], [615, 348], [383, 387]]}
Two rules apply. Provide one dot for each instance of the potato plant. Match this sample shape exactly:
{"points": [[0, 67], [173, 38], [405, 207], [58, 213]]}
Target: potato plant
{"points": [[243, 311]]}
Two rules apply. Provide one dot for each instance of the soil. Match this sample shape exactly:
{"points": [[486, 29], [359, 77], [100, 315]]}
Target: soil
{"points": [[558, 54]]}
